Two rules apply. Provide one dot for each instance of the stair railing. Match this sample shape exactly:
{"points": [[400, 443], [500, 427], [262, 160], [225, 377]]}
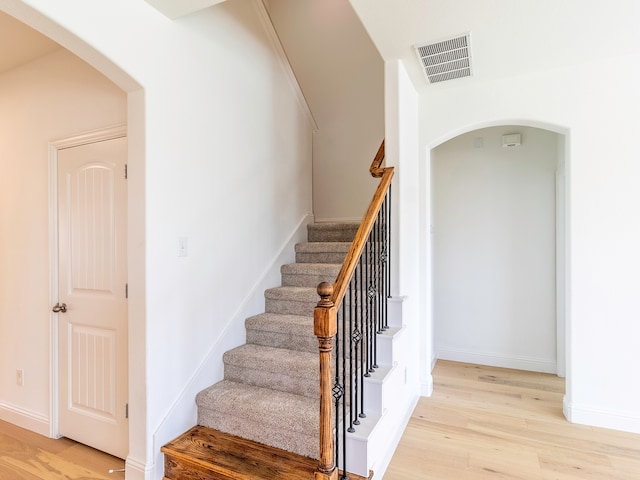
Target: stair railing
{"points": [[348, 318]]}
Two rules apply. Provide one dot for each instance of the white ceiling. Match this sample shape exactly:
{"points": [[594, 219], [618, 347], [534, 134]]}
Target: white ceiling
{"points": [[20, 44], [329, 51], [508, 37]]}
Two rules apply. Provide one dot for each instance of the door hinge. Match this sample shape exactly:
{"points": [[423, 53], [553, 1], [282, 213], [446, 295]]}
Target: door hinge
{"points": [[126, 171], [126, 411], [126, 290]]}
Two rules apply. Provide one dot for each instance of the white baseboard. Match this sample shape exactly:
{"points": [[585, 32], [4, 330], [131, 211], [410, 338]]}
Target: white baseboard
{"points": [[138, 470], [25, 419], [496, 359], [600, 417]]}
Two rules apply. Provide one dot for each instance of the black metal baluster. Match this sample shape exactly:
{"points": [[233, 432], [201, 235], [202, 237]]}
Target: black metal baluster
{"points": [[360, 377], [375, 256], [353, 345], [389, 249], [357, 336], [344, 397], [365, 292], [385, 259], [370, 304], [379, 267], [336, 398], [380, 259]]}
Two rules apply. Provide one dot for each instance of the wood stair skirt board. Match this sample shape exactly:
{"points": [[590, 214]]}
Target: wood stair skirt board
{"points": [[206, 454], [269, 394]]}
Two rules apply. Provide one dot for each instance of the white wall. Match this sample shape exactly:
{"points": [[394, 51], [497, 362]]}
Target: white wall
{"points": [[55, 96], [342, 77], [402, 134], [227, 164], [401, 111], [597, 113], [494, 254], [570, 68]]}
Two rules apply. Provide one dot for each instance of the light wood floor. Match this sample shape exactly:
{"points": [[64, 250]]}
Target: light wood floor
{"points": [[25, 455], [497, 424], [482, 423]]}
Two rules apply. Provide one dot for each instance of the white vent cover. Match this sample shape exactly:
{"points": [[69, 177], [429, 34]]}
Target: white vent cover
{"points": [[446, 60]]}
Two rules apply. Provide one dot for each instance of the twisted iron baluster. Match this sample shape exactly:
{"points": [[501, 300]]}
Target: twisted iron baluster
{"points": [[337, 392], [360, 379], [352, 345]]}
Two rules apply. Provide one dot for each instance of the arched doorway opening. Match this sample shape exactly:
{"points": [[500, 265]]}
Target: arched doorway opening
{"points": [[494, 225], [136, 230], [563, 334]]}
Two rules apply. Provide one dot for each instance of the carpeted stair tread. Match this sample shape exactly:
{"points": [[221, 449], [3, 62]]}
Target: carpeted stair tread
{"points": [[322, 252], [300, 294], [298, 413], [294, 332], [291, 300], [332, 232], [280, 369], [323, 247], [309, 274], [273, 322], [311, 268], [279, 419]]}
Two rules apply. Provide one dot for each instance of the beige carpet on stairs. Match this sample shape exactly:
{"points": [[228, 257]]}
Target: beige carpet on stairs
{"points": [[270, 390]]}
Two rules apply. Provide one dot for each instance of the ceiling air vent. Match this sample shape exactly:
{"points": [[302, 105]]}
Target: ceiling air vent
{"points": [[446, 60]]}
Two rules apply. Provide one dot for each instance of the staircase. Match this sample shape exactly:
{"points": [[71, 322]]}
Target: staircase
{"points": [[270, 390], [322, 375]]}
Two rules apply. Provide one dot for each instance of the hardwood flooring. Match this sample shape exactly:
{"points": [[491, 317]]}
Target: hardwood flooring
{"points": [[482, 423], [498, 424], [25, 455]]}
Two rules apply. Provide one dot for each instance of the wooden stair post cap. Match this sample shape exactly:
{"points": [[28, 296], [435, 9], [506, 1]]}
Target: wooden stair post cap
{"points": [[325, 290]]}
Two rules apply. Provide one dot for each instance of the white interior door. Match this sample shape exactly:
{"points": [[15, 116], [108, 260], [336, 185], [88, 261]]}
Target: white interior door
{"points": [[92, 297]]}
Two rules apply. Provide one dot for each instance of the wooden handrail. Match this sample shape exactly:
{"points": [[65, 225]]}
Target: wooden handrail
{"points": [[375, 169], [355, 251], [326, 315]]}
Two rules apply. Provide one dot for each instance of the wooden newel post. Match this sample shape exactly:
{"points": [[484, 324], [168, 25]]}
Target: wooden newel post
{"points": [[325, 325]]}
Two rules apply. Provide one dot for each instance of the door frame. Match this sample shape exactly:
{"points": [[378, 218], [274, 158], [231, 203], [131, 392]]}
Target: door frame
{"points": [[83, 138]]}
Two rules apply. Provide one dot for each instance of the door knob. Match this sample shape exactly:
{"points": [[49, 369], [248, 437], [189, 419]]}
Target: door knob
{"points": [[59, 308]]}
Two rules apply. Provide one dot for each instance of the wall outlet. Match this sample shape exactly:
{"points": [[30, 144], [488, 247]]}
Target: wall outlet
{"points": [[20, 377]]}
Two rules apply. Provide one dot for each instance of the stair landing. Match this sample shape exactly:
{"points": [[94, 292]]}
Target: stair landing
{"points": [[204, 453]]}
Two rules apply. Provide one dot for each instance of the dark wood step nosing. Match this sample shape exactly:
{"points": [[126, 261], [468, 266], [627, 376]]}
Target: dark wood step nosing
{"points": [[253, 461], [200, 446]]}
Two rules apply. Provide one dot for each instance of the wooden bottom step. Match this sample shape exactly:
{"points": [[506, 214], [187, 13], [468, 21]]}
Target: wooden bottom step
{"points": [[204, 453]]}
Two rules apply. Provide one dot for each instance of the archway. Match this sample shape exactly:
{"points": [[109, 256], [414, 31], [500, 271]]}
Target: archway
{"points": [[136, 214], [494, 240], [563, 207]]}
